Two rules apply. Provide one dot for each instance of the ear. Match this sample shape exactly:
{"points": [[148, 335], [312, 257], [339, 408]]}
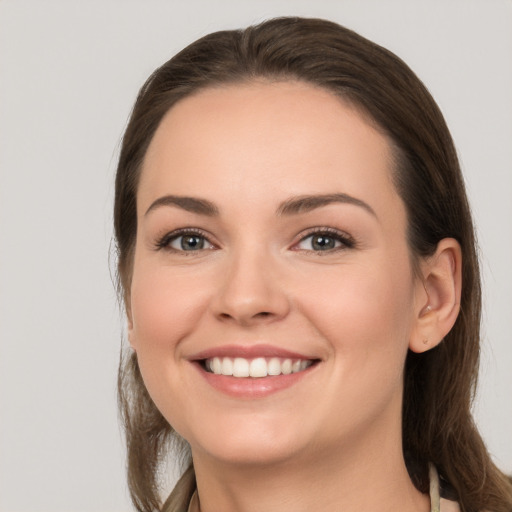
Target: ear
{"points": [[437, 301]]}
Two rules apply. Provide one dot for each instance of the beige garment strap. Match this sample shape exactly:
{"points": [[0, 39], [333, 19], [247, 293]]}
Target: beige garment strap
{"points": [[193, 506], [435, 498]]}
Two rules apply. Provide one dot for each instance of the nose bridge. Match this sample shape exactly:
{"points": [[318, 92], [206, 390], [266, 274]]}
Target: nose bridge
{"points": [[251, 290]]}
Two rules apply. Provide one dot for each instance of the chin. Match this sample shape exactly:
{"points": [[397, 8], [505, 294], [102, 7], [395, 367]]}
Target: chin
{"points": [[255, 453], [253, 444]]}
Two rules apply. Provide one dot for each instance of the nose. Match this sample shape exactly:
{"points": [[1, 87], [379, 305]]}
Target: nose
{"points": [[251, 291]]}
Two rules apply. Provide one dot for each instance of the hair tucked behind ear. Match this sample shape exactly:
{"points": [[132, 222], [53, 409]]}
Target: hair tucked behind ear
{"points": [[439, 384]]}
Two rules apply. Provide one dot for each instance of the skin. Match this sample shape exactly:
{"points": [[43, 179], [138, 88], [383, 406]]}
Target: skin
{"points": [[328, 441]]}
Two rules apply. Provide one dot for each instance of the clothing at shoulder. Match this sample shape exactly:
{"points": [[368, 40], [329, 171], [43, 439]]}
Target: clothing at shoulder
{"points": [[438, 504]]}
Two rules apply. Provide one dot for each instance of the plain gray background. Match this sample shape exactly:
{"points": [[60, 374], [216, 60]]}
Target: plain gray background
{"points": [[69, 72]]}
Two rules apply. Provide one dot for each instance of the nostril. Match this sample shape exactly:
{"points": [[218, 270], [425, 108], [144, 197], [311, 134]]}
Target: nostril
{"points": [[261, 314]]}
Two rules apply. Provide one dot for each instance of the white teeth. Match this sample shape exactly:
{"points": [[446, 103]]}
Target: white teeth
{"points": [[258, 367], [227, 366], [286, 367], [274, 366], [216, 365], [240, 367]]}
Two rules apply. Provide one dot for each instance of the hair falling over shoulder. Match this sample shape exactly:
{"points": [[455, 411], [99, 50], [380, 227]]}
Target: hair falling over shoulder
{"points": [[439, 384]]}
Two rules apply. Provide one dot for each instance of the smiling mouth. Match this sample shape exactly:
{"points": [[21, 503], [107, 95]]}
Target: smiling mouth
{"points": [[257, 367]]}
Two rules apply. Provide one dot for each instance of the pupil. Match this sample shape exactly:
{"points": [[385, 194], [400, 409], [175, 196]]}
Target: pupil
{"points": [[192, 243], [323, 242]]}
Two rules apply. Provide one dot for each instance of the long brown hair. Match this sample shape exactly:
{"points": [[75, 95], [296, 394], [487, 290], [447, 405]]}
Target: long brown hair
{"points": [[439, 384]]}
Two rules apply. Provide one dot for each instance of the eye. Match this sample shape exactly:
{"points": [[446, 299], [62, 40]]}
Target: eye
{"points": [[184, 241], [188, 243], [325, 240]]}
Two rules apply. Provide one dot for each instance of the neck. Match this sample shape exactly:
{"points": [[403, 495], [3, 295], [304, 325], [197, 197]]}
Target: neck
{"points": [[359, 477]]}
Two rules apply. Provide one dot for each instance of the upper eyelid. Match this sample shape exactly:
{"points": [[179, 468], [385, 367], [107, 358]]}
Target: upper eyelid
{"points": [[164, 240], [327, 230], [346, 240]]}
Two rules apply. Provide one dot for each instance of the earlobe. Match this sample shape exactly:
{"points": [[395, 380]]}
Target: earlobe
{"points": [[438, 302], [131, 340]]}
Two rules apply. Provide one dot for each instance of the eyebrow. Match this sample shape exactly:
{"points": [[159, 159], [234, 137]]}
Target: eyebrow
{"points": [[293, 206], [190, 204], [303, 204]]}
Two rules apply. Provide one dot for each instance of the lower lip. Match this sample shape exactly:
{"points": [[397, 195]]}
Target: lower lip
{"points": [[252, 387]]}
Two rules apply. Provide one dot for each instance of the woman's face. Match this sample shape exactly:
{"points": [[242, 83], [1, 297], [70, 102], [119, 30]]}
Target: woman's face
{"points": [[271, 240]]}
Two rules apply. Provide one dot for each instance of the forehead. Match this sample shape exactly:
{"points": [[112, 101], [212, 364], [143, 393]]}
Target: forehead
{"points": [[254, 139]]}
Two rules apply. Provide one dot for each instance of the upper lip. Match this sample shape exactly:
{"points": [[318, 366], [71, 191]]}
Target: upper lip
{"points": [[248, 352]]}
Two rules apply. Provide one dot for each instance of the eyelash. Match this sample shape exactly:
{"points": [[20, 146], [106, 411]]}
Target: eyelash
{"points": [[347, 242], [165, 241]]}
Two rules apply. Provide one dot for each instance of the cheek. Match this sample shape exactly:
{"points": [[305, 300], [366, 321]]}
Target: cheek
{"points": [[165, 307], [365, 310], [365, 318]]}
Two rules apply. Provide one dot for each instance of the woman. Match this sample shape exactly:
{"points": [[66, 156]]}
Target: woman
{"points": [[298, 266]]}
